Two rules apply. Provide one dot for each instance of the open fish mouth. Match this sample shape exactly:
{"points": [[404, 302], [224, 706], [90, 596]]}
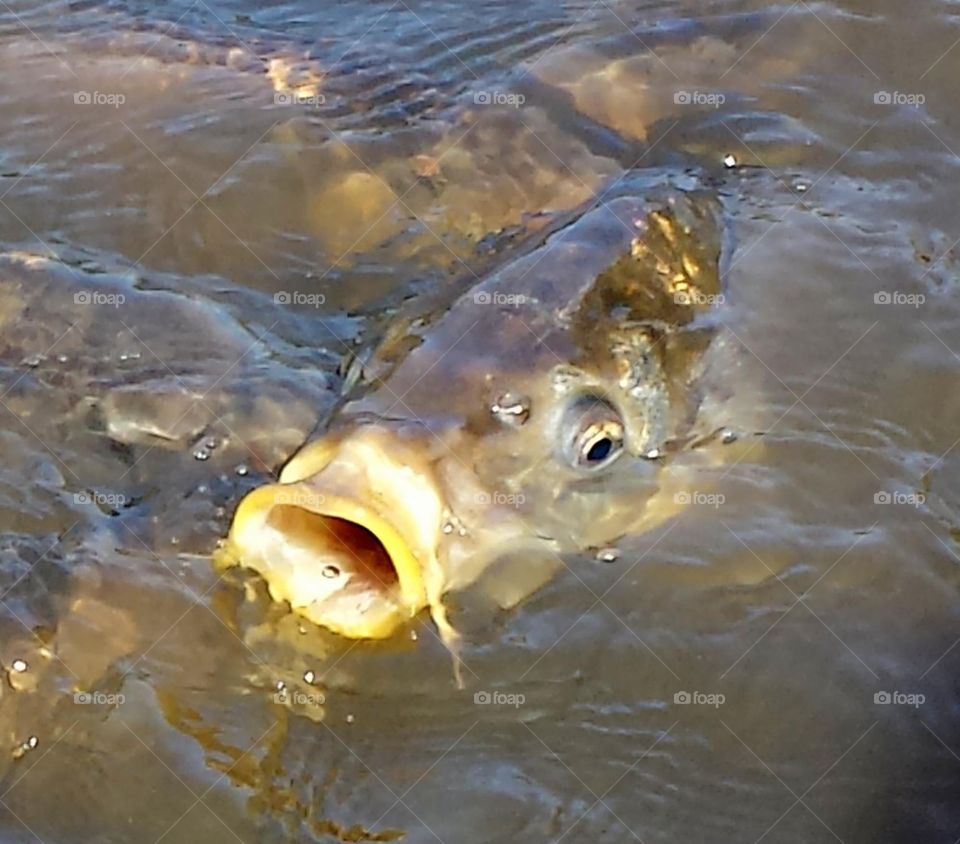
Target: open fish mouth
{"points": [[341, 565], [347, 537]]}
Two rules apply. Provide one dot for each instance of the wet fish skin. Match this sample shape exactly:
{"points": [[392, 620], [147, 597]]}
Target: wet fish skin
{"points": [[597, 309], [608, 314]]}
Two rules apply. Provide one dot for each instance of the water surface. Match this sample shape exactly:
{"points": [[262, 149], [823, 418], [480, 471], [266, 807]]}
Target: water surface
{"points": [[817, 581]]}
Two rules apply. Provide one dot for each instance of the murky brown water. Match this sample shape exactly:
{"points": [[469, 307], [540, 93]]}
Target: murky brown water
{"points": [[150, 377]]}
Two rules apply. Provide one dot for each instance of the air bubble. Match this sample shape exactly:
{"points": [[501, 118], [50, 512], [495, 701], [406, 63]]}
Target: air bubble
{"points": [[19, 665], [730, 161], [242, 470], [608, 555], [729, 436], [309, 677], [201, 454], [25, 747], [331, 572]]}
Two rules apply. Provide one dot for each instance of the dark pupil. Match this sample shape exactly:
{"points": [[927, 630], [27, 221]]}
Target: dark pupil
{"points": [[600, 450]]}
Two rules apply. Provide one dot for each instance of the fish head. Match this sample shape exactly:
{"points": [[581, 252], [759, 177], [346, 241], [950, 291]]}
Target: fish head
{"points": [[535, 415]]}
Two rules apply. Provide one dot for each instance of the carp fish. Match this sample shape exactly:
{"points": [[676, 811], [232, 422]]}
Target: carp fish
{"points": [[550, 407]]}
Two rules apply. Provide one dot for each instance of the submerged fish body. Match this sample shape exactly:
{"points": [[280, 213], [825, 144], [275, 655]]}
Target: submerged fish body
{"points": [[543, 411], [548, 406], [357, 149]]}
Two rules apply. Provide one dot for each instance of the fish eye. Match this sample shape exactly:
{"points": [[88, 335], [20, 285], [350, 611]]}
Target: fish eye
{"points": [[594, 435]]}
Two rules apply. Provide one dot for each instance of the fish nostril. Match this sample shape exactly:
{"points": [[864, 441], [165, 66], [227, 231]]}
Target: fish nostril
{"points": [[511, 409]]}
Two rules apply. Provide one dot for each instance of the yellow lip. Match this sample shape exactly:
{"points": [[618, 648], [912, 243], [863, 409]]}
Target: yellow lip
{"points": [[254, 543], [368, 489]]}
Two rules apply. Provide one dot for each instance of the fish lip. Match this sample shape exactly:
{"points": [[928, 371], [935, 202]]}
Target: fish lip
{"points": [[399, 603]]}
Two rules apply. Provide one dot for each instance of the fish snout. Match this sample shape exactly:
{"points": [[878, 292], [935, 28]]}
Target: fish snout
{"points": [[348, 536]]}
